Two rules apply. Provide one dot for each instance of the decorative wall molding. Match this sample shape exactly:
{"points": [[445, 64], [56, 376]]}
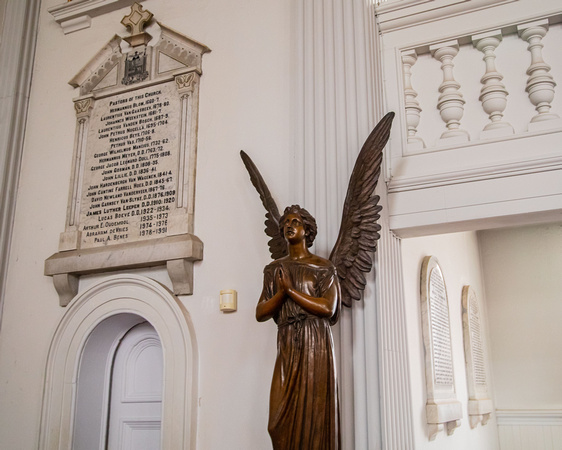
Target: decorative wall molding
{"points": [[523, 429], [77, 14], [131, 295], [494, 148], [398, 14], [177, 253], [530, 417], [20, 30]]}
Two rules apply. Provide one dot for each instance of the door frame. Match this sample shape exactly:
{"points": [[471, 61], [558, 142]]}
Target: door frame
{"points": [[123, 295], [125, 403]]}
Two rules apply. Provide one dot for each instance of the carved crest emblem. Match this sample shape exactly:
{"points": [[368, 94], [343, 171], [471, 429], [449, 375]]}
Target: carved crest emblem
{"points": [[135, 68]]}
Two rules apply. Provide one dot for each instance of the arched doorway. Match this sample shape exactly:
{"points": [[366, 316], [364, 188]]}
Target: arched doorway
{"points": [[119, 387], [100, 317]]}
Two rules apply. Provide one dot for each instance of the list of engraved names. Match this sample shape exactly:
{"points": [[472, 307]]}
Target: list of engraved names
{"points": [[476, 342], [440, 332], [130, 172]]}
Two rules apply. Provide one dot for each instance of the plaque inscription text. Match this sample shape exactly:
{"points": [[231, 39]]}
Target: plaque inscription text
{"points": [[131, 167], [479, 404], [440, 330], [476, 341]]}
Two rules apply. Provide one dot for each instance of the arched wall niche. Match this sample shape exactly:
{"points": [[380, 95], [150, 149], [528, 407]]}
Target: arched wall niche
{"points": [[129, 297]]}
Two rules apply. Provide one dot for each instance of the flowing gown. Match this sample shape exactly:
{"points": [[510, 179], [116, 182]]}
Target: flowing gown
{"points": [[303, 407]]}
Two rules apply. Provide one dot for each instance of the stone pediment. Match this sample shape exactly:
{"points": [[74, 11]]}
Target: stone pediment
{"points": [[170, 53], [175, 49], [99, 67]]}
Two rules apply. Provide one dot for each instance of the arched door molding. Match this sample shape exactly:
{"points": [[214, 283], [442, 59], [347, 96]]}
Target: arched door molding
{"points": [[118, 295]]}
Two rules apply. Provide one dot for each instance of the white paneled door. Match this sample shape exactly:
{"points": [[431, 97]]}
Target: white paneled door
{"points": [[136, 391]]}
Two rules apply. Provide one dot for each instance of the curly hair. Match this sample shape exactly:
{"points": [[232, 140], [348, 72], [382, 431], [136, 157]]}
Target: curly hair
{"points": [[309, 223]]}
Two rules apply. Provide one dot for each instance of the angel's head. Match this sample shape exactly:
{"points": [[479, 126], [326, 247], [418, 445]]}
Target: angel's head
{"points": [[308, 222]]}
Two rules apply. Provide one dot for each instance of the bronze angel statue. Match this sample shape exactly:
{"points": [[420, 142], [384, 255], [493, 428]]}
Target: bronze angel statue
{"points": [[303, 294]]}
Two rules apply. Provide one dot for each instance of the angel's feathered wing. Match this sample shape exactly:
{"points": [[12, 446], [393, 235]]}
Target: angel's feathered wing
{"points": [[358, 234], [277, 243]]}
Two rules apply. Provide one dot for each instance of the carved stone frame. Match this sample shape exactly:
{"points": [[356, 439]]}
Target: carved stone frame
{"points": [[102, 77], [123, 294], [480, 405], [443, 410]]}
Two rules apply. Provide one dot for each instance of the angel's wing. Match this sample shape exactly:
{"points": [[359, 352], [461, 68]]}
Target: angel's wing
{"points": [[277, 243], [359, 229]]}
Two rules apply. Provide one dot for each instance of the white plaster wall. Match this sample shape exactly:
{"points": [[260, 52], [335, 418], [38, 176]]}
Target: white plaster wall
{"points": [[522, 272], [244, 104], [458, 256]]}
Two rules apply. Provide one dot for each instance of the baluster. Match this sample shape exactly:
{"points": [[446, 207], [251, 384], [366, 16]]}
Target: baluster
{"points": [[493, 94], [411, 104], [540, 84], [450, 102]]}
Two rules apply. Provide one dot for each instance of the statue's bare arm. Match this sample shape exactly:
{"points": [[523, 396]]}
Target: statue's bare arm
{"points": [[267, 308]]}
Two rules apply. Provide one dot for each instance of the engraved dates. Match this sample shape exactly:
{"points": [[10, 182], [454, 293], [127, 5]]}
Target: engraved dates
{"points": [[131, 169]]}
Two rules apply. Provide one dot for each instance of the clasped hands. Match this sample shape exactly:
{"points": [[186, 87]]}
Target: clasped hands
{"points": [[284, 281]]}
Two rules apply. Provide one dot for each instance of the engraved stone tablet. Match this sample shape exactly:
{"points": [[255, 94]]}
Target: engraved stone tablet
{"points": [[131, 167], [479, 405], [133, 179], [443, 410]]}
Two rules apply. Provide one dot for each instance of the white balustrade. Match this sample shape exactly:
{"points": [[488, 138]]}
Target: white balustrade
{"points": [[412, 105], [493, 94], [499, 49], [451, 101], [497, 125], [540, 84]]}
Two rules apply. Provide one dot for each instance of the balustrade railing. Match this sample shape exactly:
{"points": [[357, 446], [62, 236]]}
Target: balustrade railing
{"points": [[488, 103]]}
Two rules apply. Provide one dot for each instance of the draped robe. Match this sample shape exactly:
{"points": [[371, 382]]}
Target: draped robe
{"points": [[303, 407]]}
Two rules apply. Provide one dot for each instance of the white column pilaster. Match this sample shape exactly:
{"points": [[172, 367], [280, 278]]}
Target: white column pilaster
{"points": [[337, 101], [70, 238]]}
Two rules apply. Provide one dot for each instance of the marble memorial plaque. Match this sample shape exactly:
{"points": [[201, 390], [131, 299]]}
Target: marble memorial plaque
{"points": [[443, 410], [131, 199], [131, 167], [479, 404]]}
